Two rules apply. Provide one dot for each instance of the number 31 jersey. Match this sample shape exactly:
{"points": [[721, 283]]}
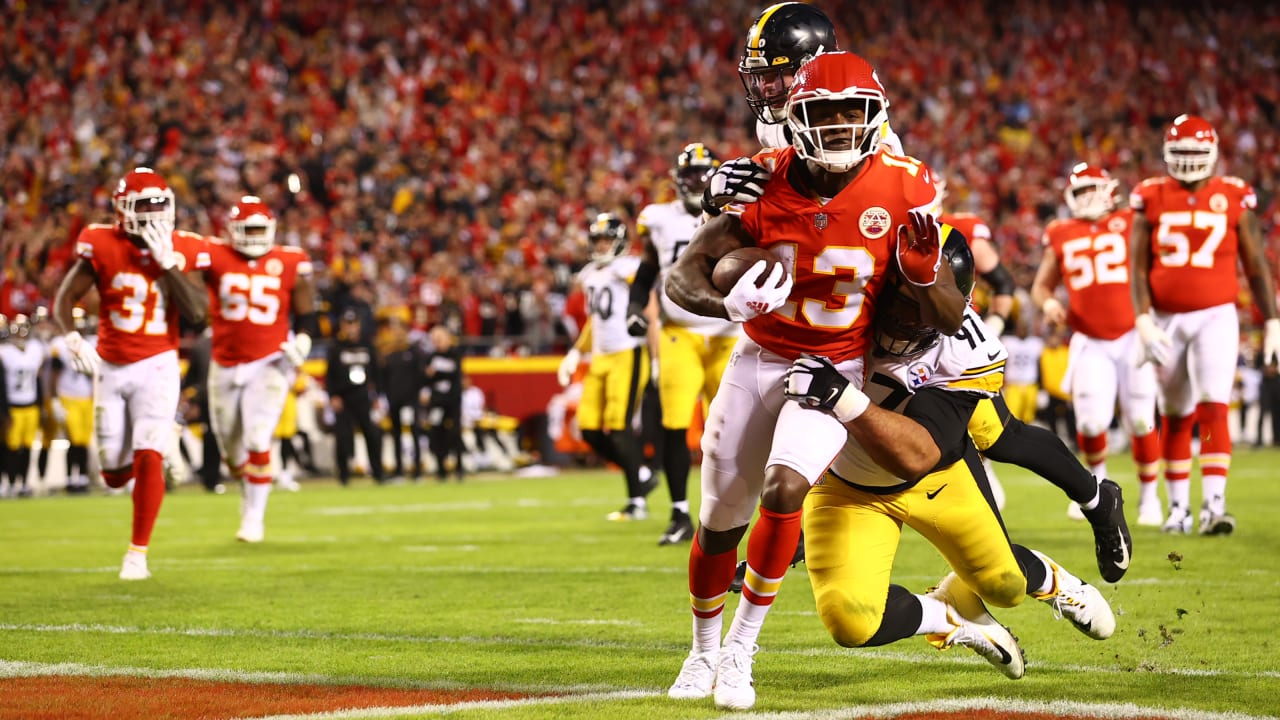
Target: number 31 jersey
{"points": [[135, 321], [1093, 260], [251, 300]]}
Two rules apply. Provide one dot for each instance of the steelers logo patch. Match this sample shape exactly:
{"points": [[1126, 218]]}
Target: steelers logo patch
{"points": [[1116, 224], [274, 267], [1218, 202], [918, 374], [874, 222]]}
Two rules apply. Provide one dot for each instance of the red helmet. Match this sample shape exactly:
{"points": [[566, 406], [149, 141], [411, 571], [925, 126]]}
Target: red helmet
{"points": [[1091, 192], [830, 79], [252, 226], [142, 197], [1190, 148]]}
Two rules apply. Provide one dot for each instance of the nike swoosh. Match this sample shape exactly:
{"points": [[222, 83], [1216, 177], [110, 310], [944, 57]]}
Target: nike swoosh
{"points": [[1005, 657], [831, 396], [1123, 564], [994, 355], [934, 494]]}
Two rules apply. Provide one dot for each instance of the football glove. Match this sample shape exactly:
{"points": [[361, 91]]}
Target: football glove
{"points": [[746, 301], [815, 383], [297, 349], [740, 180], [1271, 342], [568, 366], [637, 323], [84, 358], [1155, 344], [158, 237], [919, 249]]}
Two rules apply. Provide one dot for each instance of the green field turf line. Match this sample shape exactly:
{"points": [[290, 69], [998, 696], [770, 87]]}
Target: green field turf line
{"points": [[441, 709], [1066, 708]]}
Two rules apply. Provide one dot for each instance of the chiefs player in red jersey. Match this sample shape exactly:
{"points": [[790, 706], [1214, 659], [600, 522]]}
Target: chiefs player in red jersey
{"points": [[1089, 252], [1190, 231], [255, 288], [840, 213], [137, 266]]}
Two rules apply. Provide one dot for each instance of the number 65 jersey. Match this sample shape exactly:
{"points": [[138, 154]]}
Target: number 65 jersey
{"points": [[937, 388], [251, 300]]}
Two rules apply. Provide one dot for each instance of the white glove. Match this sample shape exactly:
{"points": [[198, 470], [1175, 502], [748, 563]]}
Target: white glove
{"points": [[1156, 345], [653, 370], [568, 366], [59, 411], [815, 383], [84, 358], [746, 301], [740, 180], [158, 237], [1054, 312], [1271, 341], [995, 324], [297, 349]]}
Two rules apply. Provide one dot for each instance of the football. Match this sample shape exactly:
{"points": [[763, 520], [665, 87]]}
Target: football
{"points": [[734, 264]]}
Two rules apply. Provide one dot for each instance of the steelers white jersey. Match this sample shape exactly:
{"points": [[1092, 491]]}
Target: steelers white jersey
{"points": [[670, 227], [22, 370], [778, 135], [972, 360], [71, 383], [608, 289]]}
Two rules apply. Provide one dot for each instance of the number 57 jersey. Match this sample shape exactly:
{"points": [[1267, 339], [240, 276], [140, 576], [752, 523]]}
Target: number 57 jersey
{"points": [[251, 300]]}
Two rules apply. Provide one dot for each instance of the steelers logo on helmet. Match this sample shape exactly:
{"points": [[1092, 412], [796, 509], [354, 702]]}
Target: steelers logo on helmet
{"points": [[694, 167], [783, 37], [898, 328], [608, 237]]}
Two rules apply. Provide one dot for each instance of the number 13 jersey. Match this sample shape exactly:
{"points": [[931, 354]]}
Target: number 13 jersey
{"points": [[251, 300]]}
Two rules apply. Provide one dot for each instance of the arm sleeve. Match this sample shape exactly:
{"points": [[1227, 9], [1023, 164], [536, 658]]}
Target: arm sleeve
{"points": [[945, 414], [642, 286], [1000, 279]]}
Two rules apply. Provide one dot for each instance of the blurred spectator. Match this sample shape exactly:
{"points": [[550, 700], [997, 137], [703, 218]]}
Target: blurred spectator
{"points": [[444, 407], [403, 380], [350, 379]]}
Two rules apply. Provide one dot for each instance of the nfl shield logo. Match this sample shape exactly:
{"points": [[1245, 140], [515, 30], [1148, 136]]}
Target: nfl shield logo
{"points": [[820, 221]]}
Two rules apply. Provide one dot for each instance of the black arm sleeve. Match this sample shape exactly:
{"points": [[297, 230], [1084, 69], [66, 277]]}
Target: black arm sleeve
{"points": [[1000, 280], [945, 414], [646, 274], [308, 323]]}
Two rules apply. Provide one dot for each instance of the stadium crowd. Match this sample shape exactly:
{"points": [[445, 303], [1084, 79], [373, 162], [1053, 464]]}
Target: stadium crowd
{"points": [[444, 162]]}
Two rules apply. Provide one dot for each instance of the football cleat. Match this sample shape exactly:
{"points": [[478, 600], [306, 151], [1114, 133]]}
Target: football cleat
{"points": [[1079, 602], [1212, 523], [697, 678], [680, 530], [251, 532], [134, 567], [1112, 543], [739, 577], [1074, 512], [630, 512], [285, 481], [976, 629], [1150, 515], [735, 689], [1178, 522]]}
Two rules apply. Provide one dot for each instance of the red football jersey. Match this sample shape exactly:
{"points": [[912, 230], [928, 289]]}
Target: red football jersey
{"points": [[251, 300], [973, 227], [1194, 245], [836, 252], [1093, 258], [135, 321]]}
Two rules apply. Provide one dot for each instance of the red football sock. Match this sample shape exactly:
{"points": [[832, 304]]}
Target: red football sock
{"points": [[258, 469], [1215, 441], [116, 479], [148, 493], [1094, 448], [1146, 455], [770, 549], [1175, 441], [709, 578]]}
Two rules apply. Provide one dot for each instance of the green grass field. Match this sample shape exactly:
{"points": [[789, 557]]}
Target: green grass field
{"points": [[520, 584]]}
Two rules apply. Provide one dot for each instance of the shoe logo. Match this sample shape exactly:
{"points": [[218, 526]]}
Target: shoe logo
{"points": [[934, 494], [1005, 657], [1123, 562]]}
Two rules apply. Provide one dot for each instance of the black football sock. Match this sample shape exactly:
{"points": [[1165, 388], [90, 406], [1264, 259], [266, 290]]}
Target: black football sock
{"points": [[1043, 453]]}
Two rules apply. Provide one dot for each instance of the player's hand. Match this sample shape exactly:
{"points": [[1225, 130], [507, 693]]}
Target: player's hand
{"points": [[637, 323], [1155, 343], [59, 411], [158, 237], [84, 358], [297, 349], [1054, 312], [919, 249], [740, 180], [815, 383], [746, 301], [1271, 342], [568, 366]]}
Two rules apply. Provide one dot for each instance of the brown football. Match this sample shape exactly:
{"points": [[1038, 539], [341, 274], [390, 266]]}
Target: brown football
{"points": [[732, 266]]}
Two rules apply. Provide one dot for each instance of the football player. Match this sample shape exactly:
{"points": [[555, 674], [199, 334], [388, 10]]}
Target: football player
{"points": [[23, 356], [1089, 252], [833, 256], [909, 460], [137, 267], [73, 401], [256, 289], [619, 361], [693, 350], [1190, 231]]}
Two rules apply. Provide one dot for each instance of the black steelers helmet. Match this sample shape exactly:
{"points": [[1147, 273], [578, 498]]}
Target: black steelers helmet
{"points": [[783, 38], [607, 226], [898, 329], [692, 172]]}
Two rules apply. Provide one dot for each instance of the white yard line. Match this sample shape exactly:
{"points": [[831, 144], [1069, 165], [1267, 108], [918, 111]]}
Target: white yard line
{"points": [[1111, 711]]}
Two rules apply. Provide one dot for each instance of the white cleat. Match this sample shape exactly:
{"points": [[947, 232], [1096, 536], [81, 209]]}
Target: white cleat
{"points": [[1216, 523], [134, 567], [1074, 512], [286, 482], [1080, 603], [1179, 521], [697, 678], [976, 629], [1150, 515], [735, 689], [251, 532]]}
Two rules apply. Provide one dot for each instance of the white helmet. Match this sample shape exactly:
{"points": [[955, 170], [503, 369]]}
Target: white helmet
{"points": [[252, 226]]}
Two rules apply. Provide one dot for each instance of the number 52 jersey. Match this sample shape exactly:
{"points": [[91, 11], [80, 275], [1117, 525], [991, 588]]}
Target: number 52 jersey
{"points": [[251, 300]]}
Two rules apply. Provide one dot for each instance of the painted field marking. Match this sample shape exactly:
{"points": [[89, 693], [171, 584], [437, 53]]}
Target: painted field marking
{"points": [[1066, 708]]}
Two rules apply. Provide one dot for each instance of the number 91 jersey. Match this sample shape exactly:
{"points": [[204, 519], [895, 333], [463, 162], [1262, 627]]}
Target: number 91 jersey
{"points": [[1093, 260], [251, 300]]}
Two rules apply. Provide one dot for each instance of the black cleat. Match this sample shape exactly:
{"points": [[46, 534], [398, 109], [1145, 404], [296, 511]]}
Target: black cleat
{"points": [[680, 530], [1111, 541], [739, 577]]}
